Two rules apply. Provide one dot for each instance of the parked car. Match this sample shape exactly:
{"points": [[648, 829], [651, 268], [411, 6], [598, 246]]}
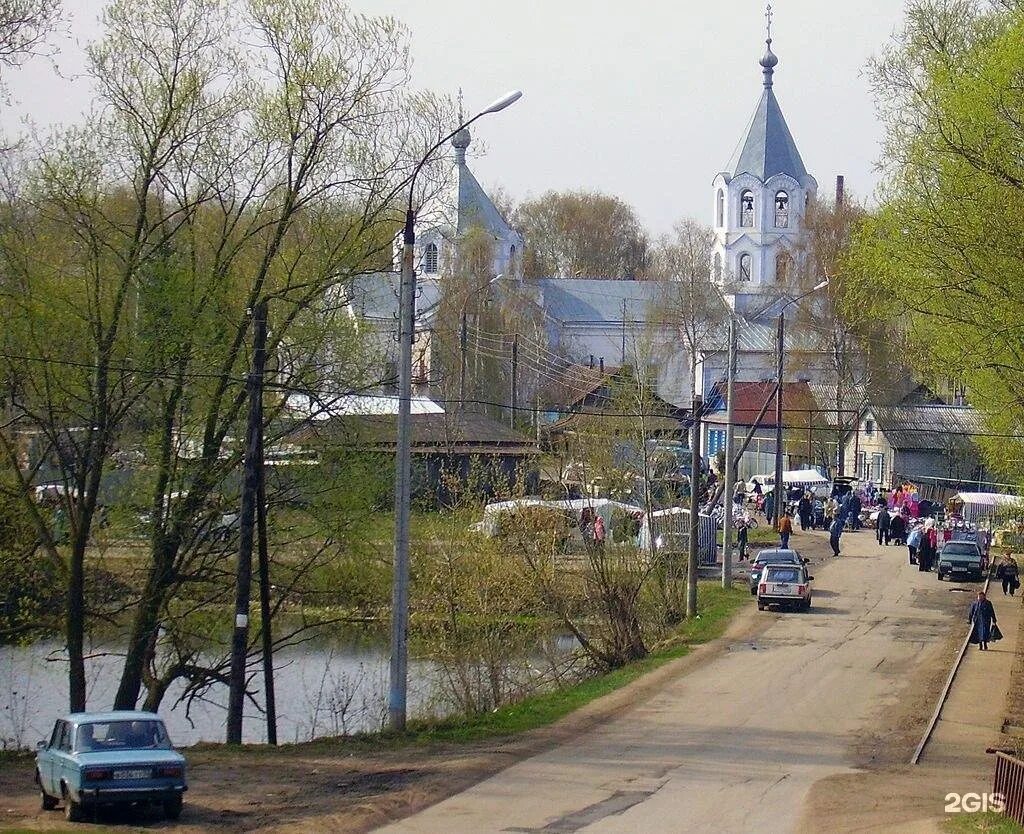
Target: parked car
{"points": [[772, 556], [785, 585], [109, 758], [959, 560]]}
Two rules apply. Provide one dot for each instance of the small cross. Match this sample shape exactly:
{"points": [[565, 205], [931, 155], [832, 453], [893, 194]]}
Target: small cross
{"points": [[768, 15]]}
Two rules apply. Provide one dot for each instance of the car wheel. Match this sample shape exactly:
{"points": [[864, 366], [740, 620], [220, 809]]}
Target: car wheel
{"points": [[72, 810], [172, 808], [46, 802], [805, 605], [761, 606]]}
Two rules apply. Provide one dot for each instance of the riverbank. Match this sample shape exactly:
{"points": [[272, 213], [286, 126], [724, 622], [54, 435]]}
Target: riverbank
{"points": [[355, 784]]}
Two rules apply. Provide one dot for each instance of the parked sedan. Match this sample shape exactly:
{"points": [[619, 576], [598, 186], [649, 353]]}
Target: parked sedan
{"points": [[110, 758], [772, 556], [785, 585]]}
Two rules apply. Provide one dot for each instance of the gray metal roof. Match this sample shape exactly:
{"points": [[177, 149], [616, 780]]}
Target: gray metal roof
{"points": [[476, 208], [375, 296], [768, 147], [926, 426], [589, 300]]}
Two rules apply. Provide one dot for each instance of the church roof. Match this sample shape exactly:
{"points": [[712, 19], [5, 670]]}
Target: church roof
{"points": [[475, 208], [767, 147]]}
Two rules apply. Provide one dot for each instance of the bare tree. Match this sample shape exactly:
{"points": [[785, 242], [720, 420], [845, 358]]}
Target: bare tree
{"points": [[24, 26]]}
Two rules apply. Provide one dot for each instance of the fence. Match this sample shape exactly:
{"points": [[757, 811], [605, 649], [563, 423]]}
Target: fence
{"points": [[1009, 783]]}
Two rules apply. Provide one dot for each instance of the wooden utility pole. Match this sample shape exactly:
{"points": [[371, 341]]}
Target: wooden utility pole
{"points": [[250, 491], [270, 701], [513, 393], [691, 562], [462, 362]]}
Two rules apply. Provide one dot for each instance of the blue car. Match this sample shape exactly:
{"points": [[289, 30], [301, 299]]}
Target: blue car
{"points": [[109, 758]]}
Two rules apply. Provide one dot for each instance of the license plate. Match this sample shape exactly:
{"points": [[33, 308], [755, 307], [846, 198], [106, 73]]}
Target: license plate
{"points": [[783, 588], [132, 774]]}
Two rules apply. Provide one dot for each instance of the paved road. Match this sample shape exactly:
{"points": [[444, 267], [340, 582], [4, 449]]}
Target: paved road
{"points": [[735, 745]]}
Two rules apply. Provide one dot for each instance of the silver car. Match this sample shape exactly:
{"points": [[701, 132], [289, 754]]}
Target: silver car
{"points": [[772, 556], [788, 585]]}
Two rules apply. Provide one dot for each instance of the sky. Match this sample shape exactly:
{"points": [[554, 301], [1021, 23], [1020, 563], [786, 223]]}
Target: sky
{"points": [[645, 100]]}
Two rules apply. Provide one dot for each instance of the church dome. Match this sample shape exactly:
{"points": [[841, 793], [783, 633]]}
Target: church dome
{"points": [[461, 140]]}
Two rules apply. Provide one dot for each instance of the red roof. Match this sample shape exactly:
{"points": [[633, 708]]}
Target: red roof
{"points": [[750, 396]]}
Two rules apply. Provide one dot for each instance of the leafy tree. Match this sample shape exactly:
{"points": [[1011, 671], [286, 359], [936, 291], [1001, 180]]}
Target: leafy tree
{"points": [[24, 26], [583, 234], [943, 252]]}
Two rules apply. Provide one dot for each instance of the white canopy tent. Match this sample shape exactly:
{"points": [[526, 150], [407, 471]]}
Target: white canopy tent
{"points": [[604, 507], [978, 505]]}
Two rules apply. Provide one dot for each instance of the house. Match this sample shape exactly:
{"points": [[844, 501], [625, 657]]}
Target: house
{"points": [[915, 442], [750, 397]]}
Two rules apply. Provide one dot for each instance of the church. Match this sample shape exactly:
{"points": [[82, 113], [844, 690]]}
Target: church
{"points": [[758, 208]]}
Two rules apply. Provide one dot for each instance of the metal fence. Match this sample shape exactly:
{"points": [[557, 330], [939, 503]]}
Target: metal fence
{"points": [[1009, 783]]}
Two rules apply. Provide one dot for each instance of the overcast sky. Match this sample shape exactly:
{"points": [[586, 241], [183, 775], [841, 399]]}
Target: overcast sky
{"points": [[645, 100]]}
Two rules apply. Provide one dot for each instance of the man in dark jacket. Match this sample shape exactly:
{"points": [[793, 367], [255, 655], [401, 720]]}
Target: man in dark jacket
{"points": [[883, 526]]}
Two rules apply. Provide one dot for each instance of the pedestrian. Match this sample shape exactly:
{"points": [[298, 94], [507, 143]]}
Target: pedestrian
{"points": [[769, 505], [983, 617], [882, 527], [898, 528], [785, 528], [803, 508], [599, 531], [926, 550], [1008, 573], [914, 543], [834, 532], [742, 526]]}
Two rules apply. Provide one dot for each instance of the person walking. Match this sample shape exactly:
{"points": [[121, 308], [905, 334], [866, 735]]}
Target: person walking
{"points": [[834, 532], [599, 531], [769, 505], [1007, 571], [914, 543], [983, 617], [897, 528], [742, 526], [882, 527], [926, 549], [803, 508], [785, 529]]}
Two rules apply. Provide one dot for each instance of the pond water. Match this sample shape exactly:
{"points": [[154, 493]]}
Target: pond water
{"points": [[329, 687]]}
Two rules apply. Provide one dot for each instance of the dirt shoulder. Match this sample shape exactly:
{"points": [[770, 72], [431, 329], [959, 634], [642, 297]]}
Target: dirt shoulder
{"points": [[347, 785]]}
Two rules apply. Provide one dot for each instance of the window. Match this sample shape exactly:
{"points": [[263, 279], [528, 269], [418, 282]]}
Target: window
{"points": [[716, 441], [744, 267], [720, 209], [782, 263], [430, 258], [718, 266], [878, 468], [869, 428], [781, 210], [862, 466], [747, 209]]}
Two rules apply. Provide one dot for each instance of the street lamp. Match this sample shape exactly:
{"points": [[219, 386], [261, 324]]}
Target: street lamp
{"points": [[406, 329], [778, 502]]}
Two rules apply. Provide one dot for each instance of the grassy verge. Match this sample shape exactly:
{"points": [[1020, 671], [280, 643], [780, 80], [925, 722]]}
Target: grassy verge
{"points": [[716, 607], [989, 822]]}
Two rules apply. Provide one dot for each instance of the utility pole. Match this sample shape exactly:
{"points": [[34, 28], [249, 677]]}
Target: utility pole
{"points": [[730, 466], [691, 562], [623, 362], [462, 362], [250, 490], [513, 393], [270, 701], [780, 491]]}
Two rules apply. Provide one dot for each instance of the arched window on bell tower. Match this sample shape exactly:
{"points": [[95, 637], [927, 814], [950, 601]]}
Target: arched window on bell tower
{"points": [[745, 266], [783, 266], [747, 209], [781, 210], [720, 209], [430, 258]]}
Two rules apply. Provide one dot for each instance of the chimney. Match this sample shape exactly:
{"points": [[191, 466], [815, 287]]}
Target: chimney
{"points": [[840, 191], [602, 364]]}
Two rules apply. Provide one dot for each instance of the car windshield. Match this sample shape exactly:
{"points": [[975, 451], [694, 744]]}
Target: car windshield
{"points": [[777, 556], [774, 574], [122, 735], [960, 549]]}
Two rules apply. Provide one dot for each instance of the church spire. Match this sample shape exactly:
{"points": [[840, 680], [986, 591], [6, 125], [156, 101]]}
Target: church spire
{"points": [[769, 60]]}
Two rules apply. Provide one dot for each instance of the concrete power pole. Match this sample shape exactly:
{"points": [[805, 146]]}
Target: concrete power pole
{"points": [[250, 493], [780, 492], [691, 562], [730, 464]]}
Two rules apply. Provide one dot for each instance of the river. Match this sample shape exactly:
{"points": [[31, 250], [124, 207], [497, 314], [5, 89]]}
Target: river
{"points": [[328, 687]]}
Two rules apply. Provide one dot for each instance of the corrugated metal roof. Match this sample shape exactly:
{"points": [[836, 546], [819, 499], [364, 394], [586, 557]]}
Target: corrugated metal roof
{"points": [[586, 300], [926, 426], [768, 147]]}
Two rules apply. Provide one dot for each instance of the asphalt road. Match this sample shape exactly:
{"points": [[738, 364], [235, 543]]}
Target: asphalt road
{"points": [[736, 744]]}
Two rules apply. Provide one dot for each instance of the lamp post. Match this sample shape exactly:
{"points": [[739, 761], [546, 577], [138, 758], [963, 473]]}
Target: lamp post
{"points": [[406, 329], [780, 355]]}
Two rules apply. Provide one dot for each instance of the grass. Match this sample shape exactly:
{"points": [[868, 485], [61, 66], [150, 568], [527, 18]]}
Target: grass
{"points": [[716, 607], [989, 822]]}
